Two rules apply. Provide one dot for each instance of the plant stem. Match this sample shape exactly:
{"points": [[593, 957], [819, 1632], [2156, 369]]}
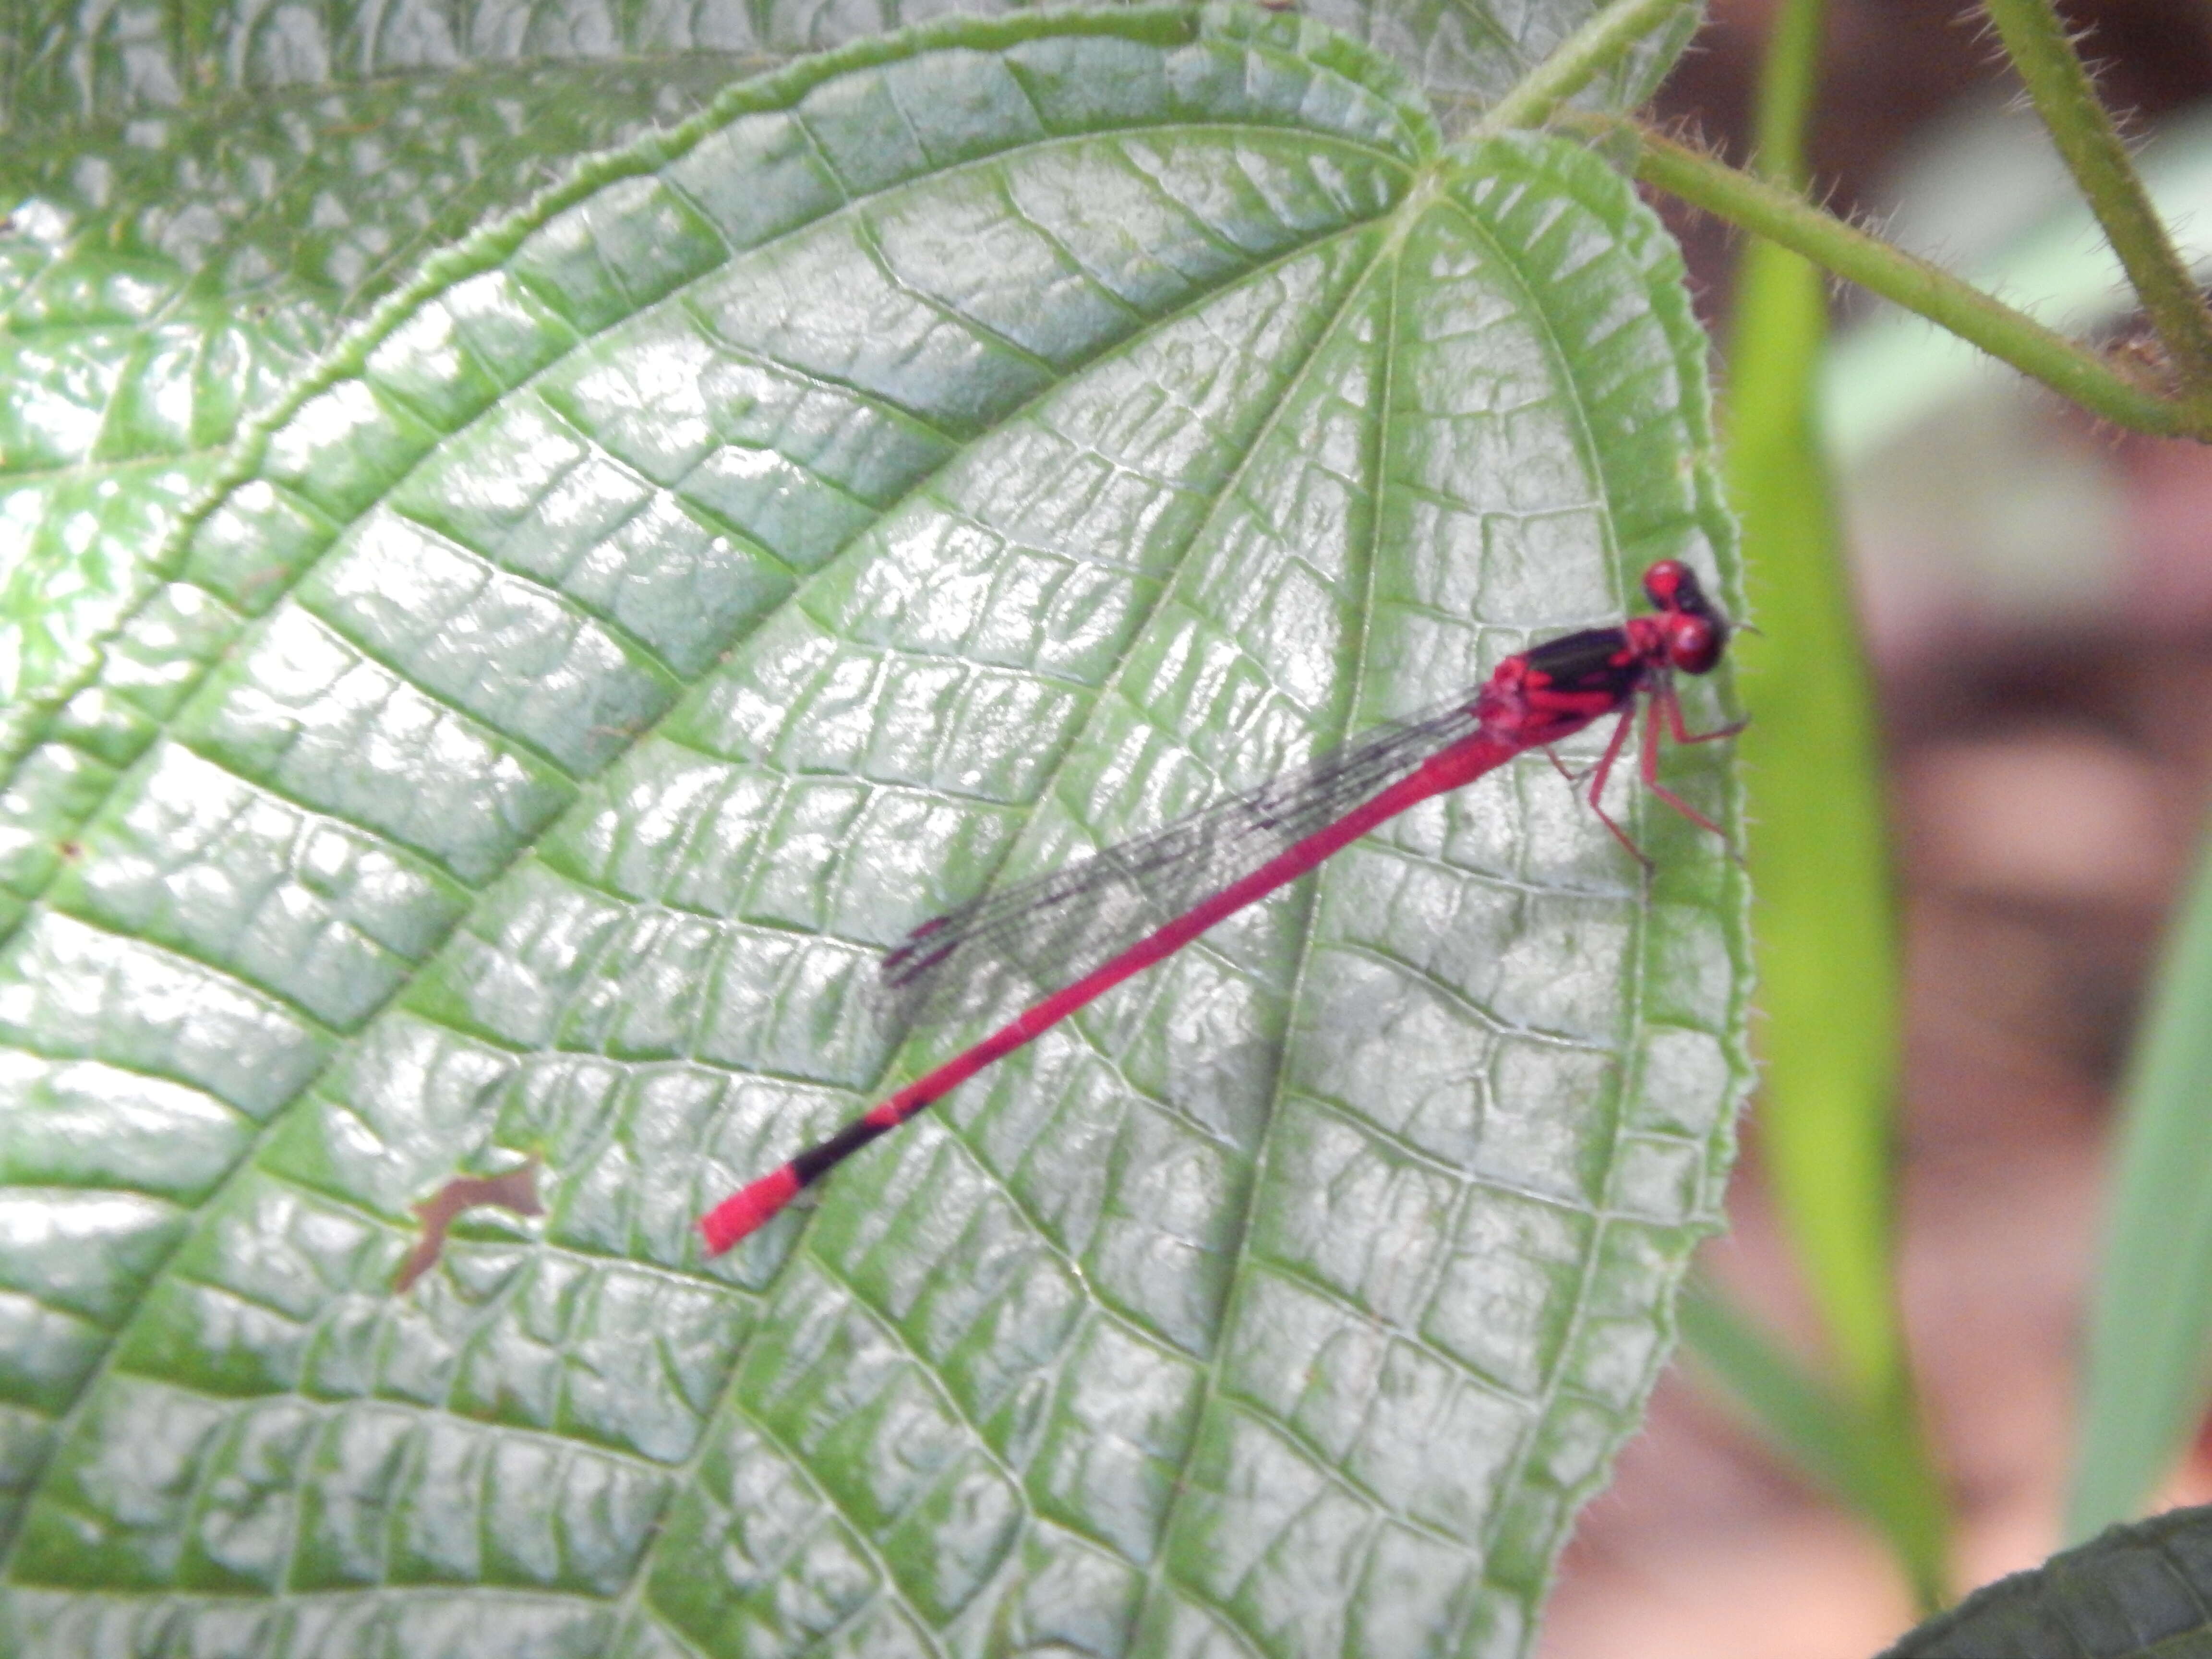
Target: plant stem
{"points": [[2082, 129], [1611, 32], [2072, 371]]}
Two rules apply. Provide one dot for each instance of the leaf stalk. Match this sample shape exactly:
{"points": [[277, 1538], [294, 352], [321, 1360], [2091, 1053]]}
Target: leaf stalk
{"points": [[2090, 144], [2073, 371], [1611, 32]]}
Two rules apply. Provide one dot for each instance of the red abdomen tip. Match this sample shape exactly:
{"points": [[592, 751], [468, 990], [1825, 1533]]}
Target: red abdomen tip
{"points": [[746, 1210]]}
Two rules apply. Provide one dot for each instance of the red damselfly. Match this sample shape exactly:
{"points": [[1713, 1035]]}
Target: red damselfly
{"points": [[1104, 918]]}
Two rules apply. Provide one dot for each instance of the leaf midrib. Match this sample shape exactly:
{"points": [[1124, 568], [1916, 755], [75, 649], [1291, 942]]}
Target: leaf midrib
{"points": [[1016, 1479]]}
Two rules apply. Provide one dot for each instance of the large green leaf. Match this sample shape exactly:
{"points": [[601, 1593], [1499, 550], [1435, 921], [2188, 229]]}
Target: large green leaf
{"points": [[1828, 956], [82, 60], [927, 462], [203, 192]]}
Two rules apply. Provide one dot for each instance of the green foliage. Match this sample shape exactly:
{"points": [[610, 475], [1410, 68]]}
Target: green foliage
{"points": [[1857, 1450], [2145, 1386], [927, 462], [2138, 1592], [164, 280], [1828, 968]]}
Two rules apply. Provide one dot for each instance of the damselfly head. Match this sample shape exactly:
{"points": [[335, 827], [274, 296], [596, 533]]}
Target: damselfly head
{"points": [[1696, 633]]}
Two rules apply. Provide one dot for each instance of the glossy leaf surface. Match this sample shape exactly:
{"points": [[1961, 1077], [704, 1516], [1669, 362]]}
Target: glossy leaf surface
{"points": [[200, 193], [929, 463], [164, 279], [77, 62]]}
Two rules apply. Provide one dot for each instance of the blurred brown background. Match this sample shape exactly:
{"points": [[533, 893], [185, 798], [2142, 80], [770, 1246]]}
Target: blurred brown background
{"points": [[2038, 593]]}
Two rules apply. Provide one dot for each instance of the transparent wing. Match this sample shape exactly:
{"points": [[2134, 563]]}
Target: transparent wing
{"points": [[1038, 936]]}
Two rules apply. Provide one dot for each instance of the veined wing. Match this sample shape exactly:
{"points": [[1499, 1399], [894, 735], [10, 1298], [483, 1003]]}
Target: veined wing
{"points": [[1040, 935]]}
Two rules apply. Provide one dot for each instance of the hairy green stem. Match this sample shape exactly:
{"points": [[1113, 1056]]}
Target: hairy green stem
{"points": [[2083, 131], [1610, 34], [2072, 371]]}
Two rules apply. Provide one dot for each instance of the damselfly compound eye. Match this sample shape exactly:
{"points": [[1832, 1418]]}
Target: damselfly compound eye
{"points": [[1693, 644]]}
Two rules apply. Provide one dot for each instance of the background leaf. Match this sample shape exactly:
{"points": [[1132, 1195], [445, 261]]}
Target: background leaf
{"points": [[1829, 958], [2144, 1381], [2137, 1592], [1855, 1452], [936, 459]]}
